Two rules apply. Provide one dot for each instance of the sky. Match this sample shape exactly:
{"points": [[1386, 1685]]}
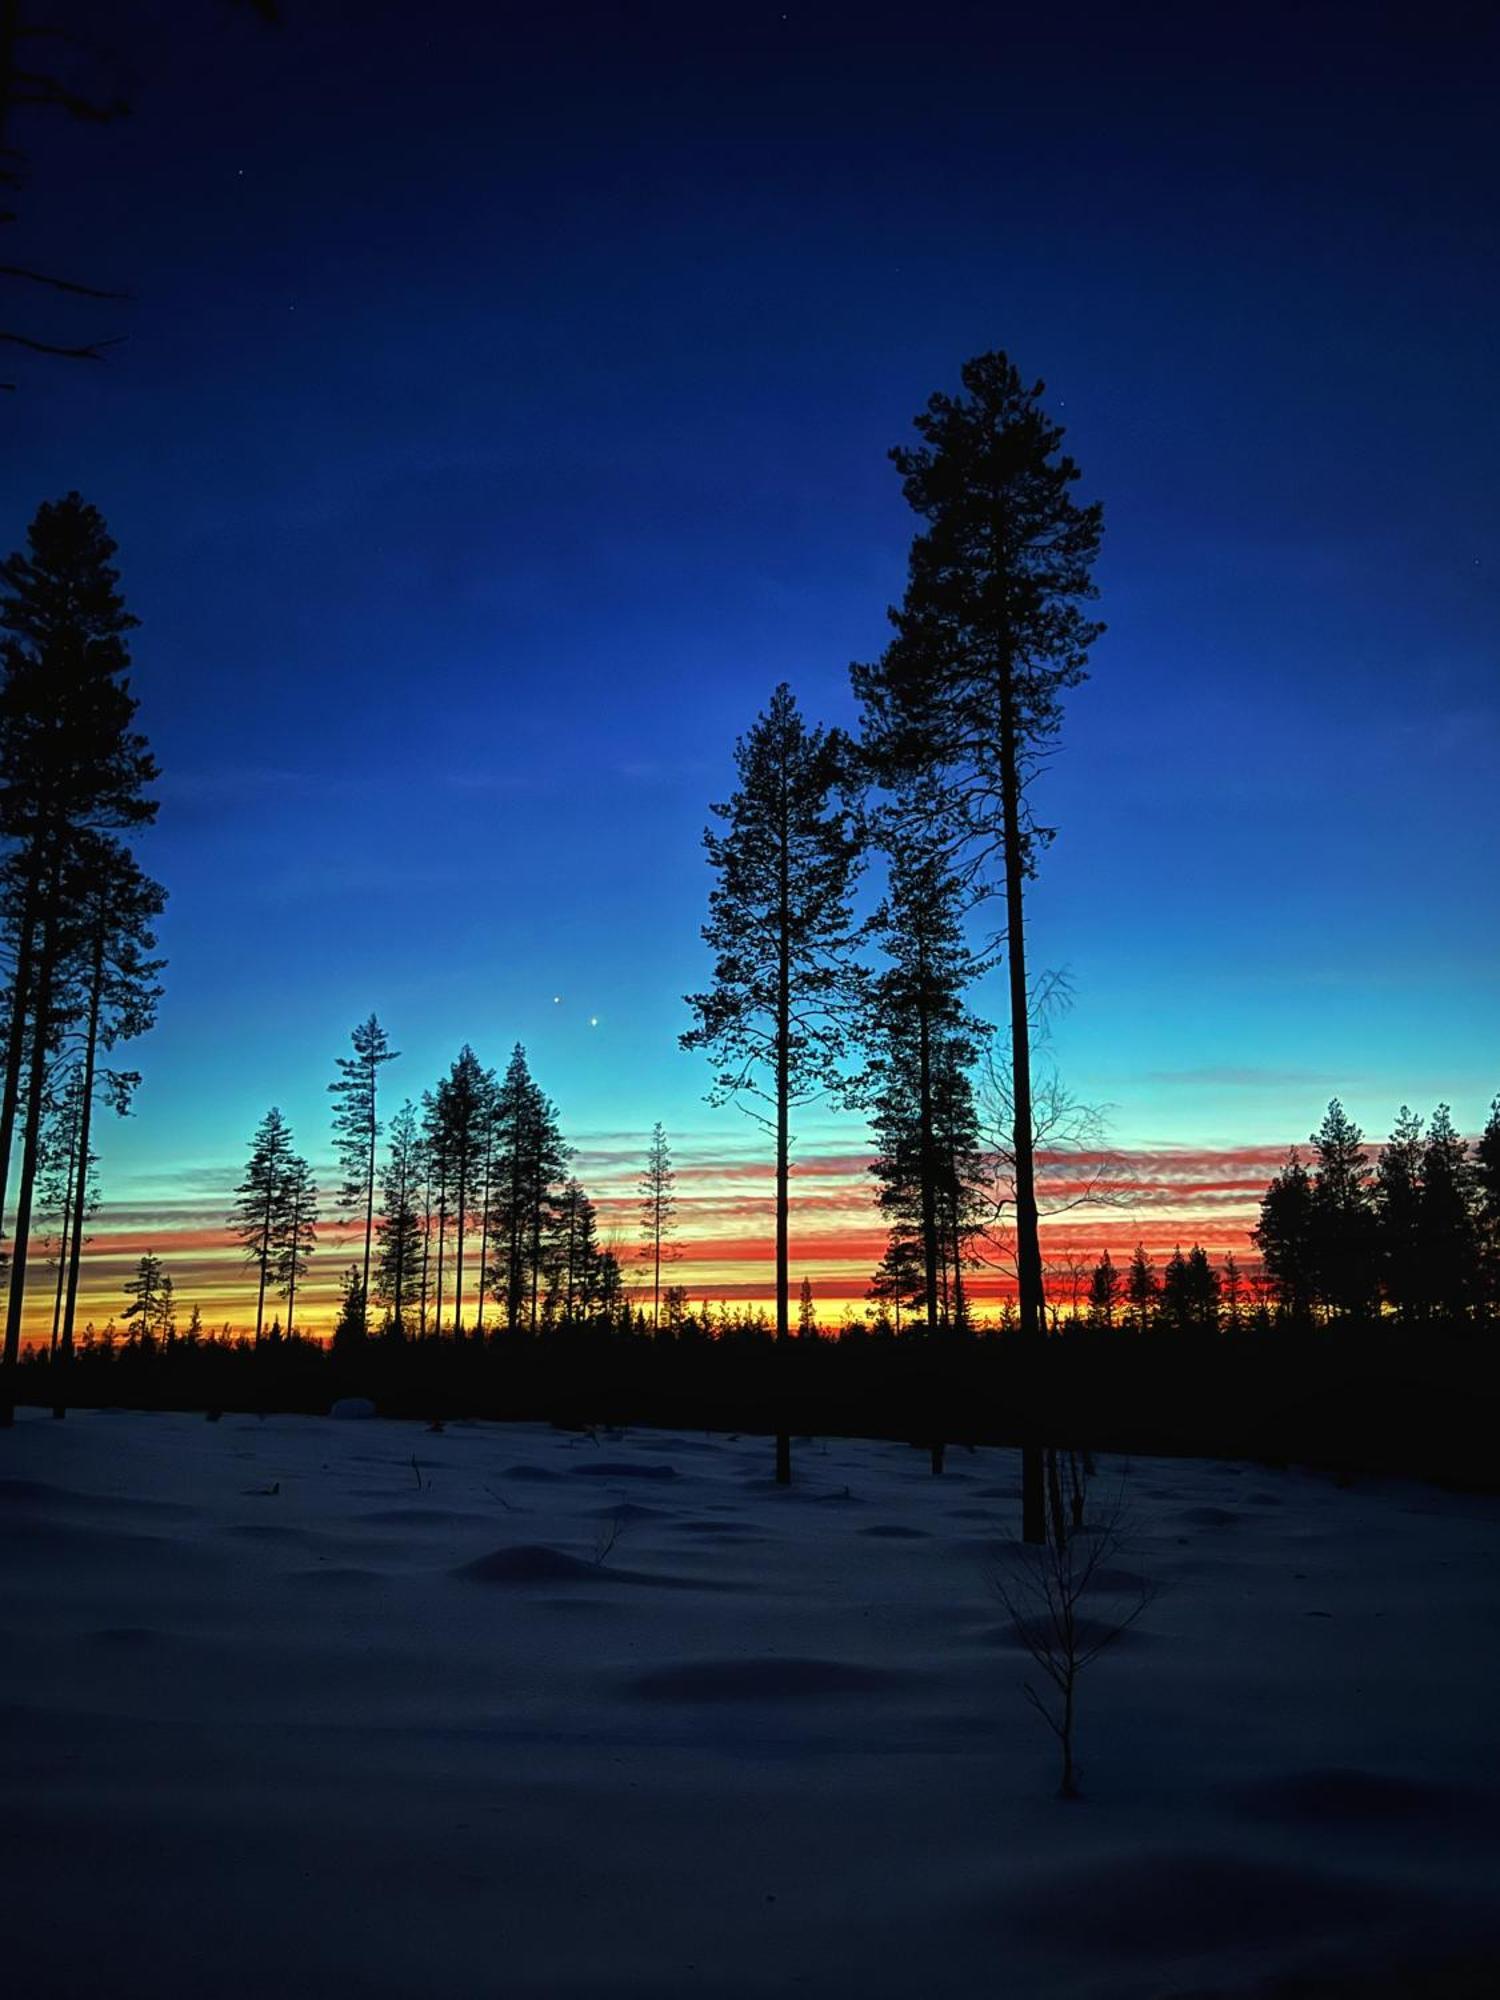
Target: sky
{"points": [[501, 411]]}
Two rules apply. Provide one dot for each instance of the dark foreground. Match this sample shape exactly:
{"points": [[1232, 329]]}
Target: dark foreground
{"points": [[300, 1706]]}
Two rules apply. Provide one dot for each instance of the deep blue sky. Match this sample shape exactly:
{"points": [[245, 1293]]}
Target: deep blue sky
{"points": [[504, 412]]}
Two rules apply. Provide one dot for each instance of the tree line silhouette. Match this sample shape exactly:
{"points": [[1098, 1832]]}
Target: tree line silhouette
{"points": [[468, 1223]]}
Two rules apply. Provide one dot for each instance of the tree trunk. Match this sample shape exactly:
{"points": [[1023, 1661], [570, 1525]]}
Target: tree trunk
{"points": [[1028, 1241], [85, 1135], [783, 1134], [929, 1163], [369, 1209], [15, 1043], [458, 1254], [291, 1276], [30, 1143], [437, 1306], [265, 1265]]}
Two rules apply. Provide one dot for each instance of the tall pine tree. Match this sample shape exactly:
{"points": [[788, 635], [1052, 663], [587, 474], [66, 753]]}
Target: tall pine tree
{"points": [[257, 1217], [990, 634], [356, 1128], [776, 1022], [71, 767]]}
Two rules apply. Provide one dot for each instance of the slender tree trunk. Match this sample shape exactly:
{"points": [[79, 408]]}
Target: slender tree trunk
{"points": [[64, 1242], [15, 1041], [1069, 1776], [369, 1206], [458, 1253], [783, 1130], [484, 1235], [265, 1266], [85, 1137], [1028, 1240], [422, 1288], [437, 1310], [656, 1267], [30, 1143], [291, 1276], [537, 1255], [929, 1172]]}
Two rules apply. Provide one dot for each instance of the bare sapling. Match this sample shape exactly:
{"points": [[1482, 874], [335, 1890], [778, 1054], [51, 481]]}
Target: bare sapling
{"points": [[1051, 1592]]}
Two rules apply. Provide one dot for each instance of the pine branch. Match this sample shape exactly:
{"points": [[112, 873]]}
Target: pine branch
{"points": [[56, 284], [91, 351]]}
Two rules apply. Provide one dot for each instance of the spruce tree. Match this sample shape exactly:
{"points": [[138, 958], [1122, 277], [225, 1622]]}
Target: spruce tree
{"points": [[922, 1042], [257, 1215], [807, 1312], [775, 1023], [1104, 1293], [1142, 1290], [295, 1233], [356, 1128], [459, 1119], [1449, 1219], [658, 1214], [1342, 1217], [529, 1163], [351, 1322], [990, 634], [575, 1256], [399, 1231], [1284, 1238], [1398, 1216], [1232, 1292]]}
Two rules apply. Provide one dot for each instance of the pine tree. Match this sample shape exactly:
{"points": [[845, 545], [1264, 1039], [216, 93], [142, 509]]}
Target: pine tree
{"points": [[1398, 1216], [1142, 1291], [1342, 1243], [350, 1324], [775, 1021], [399, 1232], [150, 1295], [968, 695], [71, 768], [1232, 1291], [1105, 1288], [529, 1163], [575, 1256], [356, 1127], [1173, 1310], [658, 1214], [1449, 1219], [922, 1043], [460, 1113], [1487, 1206], [1284, 1238], [258, 1213], [296, 1233], [807, 1312], [113, 941]]}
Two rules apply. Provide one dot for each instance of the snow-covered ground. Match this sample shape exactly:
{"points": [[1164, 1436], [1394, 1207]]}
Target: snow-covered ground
{"points": [[304, 1706]]}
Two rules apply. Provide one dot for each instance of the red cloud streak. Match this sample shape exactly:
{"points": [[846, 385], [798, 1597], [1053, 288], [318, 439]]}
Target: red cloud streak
{"points": [[1161, 1197]]}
